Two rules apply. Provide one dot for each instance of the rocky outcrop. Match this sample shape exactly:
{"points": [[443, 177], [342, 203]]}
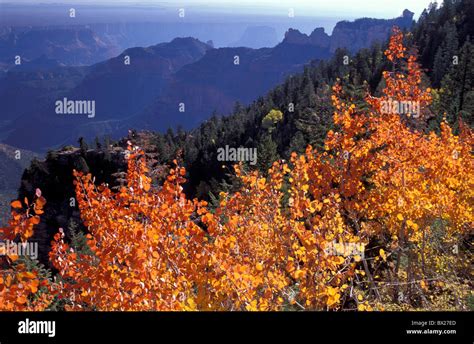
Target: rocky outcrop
{"points": [[361, 33], [293, 36], [318, 38], [353, 36]]}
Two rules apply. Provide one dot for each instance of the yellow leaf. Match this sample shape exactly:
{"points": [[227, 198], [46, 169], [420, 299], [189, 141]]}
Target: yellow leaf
{"points": [[300, 274]]}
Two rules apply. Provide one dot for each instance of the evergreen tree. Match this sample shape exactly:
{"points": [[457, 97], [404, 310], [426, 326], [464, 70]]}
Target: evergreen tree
{"points": [[97, 143], [456, 95], [445, 54], [266, 152], [83, 146]]}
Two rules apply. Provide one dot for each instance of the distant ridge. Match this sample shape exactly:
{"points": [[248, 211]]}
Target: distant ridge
{"points": [[178, 83], [352, 35]]}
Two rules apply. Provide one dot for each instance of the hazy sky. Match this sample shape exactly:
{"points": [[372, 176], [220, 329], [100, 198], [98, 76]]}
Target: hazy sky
{"points": [[379, 8]]}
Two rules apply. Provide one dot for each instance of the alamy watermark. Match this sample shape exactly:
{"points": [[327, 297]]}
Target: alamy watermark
{"points": [[335, 248], [28, 326], [75, 107], [242, 154], [401, 107], [11, 248]]}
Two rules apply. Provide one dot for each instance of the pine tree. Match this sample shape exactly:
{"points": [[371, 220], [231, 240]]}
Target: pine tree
{"points": [[445, 54], [83, 146], [456, 94], [266, 152]]}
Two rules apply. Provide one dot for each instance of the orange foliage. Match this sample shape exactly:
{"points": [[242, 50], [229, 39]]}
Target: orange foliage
{"points": [[281, 241], [145, 245], [19, 287]]}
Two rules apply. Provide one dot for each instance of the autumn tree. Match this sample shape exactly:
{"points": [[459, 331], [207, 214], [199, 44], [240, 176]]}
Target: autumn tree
{"points": [[399, 182], [377, 219], [22, 288], [143, 247]]}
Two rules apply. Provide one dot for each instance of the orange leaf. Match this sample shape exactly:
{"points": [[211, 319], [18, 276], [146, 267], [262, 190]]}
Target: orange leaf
{"points": [[16, 205]]}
